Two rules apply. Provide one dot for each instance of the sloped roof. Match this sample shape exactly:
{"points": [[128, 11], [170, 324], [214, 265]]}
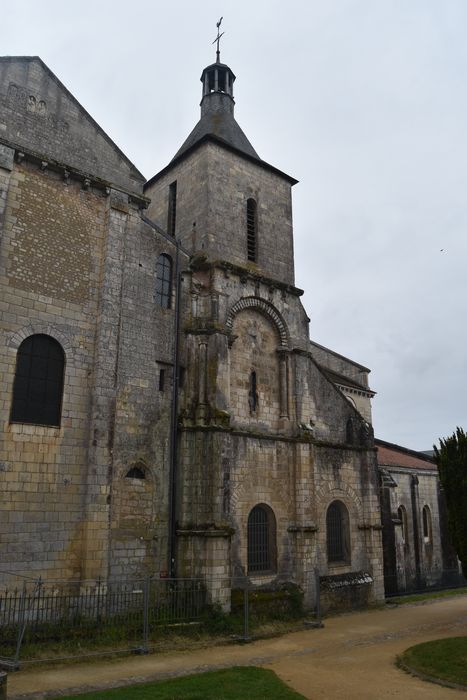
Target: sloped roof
{"points": [[390, 455], [344, 380], [223, 127], [64, 131]]}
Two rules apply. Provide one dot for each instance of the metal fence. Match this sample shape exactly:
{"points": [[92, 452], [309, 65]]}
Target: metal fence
{"points": [[409, 582], [57, 619]]}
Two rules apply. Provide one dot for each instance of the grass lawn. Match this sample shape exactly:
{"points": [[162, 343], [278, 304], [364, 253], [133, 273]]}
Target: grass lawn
{"points": [[444, 658], [240, 683], [416, 597]]}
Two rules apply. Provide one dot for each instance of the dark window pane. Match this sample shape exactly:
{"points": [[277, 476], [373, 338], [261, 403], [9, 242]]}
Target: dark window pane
{"points": [[164, 281], [38, 385], [261, 540], [337, 532]]}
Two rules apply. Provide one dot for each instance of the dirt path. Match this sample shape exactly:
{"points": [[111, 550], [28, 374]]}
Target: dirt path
{"points": [[352, 658]]}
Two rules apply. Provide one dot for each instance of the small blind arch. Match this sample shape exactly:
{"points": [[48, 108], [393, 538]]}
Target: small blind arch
{"points": [[164, 281], [38, 384], [251, 229]]}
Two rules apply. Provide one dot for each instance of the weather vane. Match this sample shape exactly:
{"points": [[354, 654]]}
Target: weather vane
{"points": [[218, 53]]}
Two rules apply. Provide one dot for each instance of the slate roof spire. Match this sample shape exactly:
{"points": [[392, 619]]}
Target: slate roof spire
{"points": [[217, 111]]}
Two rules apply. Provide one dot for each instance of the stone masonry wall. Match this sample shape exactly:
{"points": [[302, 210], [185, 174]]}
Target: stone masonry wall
{"points": [[213, 186], [430, 550], [48, 288], [38, 113]]}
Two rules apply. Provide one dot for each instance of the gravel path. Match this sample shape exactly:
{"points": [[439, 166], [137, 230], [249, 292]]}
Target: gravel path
{"points": [[351, 658]]}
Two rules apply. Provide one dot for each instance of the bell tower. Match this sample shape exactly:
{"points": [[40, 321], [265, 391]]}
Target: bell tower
{"points": [[229, 205]]}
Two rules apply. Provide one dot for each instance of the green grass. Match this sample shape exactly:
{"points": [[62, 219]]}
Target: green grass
{"points": [[445, 659], [417, 597], [240, 683]]}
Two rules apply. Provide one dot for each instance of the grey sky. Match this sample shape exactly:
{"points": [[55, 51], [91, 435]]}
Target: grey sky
{"points": [[366, 104]]}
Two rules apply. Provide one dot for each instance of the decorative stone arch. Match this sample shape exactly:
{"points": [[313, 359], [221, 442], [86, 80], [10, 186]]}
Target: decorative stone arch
{"points": [[344, 492], [266, 309], [36, 328]]}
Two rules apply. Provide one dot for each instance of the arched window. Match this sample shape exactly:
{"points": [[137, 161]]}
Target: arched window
{"points": [[402, 516], [164, 281], [38, 385], [349, 433], [261, 540], [338, 533], [426, 519], [251, 229]]}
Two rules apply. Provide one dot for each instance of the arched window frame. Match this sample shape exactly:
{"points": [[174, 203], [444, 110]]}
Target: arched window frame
{"points": [[164, 281], [427, 525], [338, 533], [38, 384], [402, 516], [261, 540], [252, 230]]}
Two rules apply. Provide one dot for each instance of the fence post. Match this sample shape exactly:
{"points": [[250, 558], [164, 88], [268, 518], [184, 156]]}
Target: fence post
{"points": [[21, 624], [318, 598], [246, 612], [146, 585], [3, 685]]}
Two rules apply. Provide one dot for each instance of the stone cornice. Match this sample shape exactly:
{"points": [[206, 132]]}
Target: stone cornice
{"points": [[69, 172], [200, 262]]}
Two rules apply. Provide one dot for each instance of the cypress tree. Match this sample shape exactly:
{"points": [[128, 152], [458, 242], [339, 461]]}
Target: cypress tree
{"points": [[451, 458]]}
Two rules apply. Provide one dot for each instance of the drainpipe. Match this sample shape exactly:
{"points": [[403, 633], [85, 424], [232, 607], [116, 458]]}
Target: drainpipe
{"points": [[174, 419], [416, 529]]}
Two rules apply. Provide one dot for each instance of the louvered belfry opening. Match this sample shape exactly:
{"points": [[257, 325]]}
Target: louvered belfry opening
{"points": [[251, 228], [261, 540]]}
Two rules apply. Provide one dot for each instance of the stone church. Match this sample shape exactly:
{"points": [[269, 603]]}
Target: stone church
{"points": [[163, 409]]}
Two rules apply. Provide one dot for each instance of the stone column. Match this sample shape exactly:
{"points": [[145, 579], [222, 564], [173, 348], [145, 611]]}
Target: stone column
{"points": [[202, 378], [6, 166], [96, 530]]}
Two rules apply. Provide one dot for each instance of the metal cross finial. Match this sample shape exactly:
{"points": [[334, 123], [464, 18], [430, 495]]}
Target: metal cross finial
{"points": [[218, 53]]}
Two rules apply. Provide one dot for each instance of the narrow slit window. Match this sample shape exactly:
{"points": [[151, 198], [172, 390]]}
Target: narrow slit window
{"points": [[402, 515], [172, 213], [251, 229], [253, 393], [161, 379], [164, 281], [427, 531], [181, 377]]}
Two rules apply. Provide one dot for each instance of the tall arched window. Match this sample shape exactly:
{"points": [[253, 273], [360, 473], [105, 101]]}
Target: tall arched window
{"points": [[251, 230], [338, 533], [38, 385], [261, 540], [164, 281], [426, 519], [402, 515]]}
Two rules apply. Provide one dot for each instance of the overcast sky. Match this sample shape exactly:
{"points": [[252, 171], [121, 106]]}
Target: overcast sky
{"points": [[366, 104]]}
